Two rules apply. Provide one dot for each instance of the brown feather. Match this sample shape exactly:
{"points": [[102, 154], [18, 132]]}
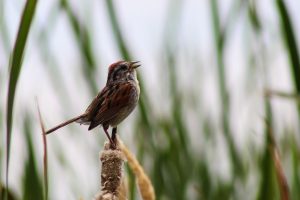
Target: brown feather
{"points": [[109, 110]]}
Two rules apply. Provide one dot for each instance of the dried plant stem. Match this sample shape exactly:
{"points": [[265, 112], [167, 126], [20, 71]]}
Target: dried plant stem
{"points": [[282, 182], [289, 95], [143, 181], [45, 159], [274, 152]]}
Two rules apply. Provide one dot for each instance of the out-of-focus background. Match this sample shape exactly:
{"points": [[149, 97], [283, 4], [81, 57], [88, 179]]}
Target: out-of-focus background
{"points": [[220, 85]]}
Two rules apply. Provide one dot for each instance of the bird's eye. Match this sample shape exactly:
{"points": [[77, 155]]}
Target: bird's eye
{"points": [[123, 66]]}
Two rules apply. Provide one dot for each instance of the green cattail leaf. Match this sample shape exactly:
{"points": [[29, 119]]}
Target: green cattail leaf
{"points": [[32, 184], [15, 68]]}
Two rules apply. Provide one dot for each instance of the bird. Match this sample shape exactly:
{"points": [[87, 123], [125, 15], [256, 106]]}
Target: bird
{"points": [[113, 103]]}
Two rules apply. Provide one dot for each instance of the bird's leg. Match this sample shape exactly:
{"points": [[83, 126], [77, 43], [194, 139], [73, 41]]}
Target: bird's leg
{"points": [[113, 134], [110, 140]]}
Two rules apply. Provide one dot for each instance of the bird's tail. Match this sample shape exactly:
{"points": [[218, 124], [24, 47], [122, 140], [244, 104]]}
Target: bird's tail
{"points": [[78, 118]]}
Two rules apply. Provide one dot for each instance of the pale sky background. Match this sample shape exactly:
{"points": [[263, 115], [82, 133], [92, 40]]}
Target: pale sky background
{"points": [[143, 24]]}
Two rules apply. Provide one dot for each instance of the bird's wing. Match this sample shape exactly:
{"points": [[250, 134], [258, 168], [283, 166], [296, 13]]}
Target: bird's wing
{"points": [[112, 100], [94, 106]]}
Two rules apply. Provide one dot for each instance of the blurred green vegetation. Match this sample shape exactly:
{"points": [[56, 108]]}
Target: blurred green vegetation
{"points": [[177, 168]]}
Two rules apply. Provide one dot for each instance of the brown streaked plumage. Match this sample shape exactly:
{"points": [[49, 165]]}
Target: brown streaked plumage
{"points": [[114, 103]]}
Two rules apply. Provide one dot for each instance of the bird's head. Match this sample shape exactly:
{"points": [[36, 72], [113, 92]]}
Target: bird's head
{"points": [[122, 71]]}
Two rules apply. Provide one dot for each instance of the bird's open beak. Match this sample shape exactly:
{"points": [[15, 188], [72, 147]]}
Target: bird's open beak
{"points": [[134, 64]]}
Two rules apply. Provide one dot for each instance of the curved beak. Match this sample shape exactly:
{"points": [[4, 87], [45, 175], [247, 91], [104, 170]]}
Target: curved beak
{"points": [[134, 64]]}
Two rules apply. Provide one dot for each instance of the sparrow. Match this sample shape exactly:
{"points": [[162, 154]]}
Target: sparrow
{"points": [[114, 103]]}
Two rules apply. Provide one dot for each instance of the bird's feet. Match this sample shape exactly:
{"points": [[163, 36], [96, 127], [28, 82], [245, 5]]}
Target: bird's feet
{"points": [[114, 136]]}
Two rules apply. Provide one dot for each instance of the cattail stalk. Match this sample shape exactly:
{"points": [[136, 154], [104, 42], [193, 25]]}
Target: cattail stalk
{"points": [[112, 182], [112, 161]]}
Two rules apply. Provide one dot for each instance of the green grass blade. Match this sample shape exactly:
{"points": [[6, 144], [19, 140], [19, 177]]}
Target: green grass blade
{"points": [[85, 45], [131, 183], [50, 61], [253, 16], [15, 68], [291, 44], [144, 105], [225, 115], [117, 31], [295, 193], [267, 189], [32, 184], [175, 11]]}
